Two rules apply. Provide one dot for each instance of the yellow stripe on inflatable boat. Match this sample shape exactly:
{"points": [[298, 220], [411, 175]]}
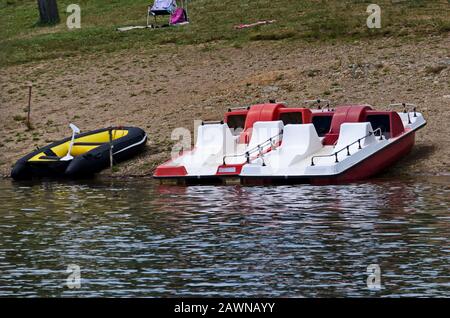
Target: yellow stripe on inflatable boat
{"points": [[95, 140]]}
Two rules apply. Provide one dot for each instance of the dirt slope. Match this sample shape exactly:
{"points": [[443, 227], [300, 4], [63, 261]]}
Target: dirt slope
{"points": [[170, 87]]}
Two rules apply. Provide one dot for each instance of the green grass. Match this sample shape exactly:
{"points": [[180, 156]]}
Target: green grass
{"points": [[22, 40]]}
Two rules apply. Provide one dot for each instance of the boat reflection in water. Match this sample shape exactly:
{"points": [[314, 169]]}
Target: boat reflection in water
{"points": [[139, 238]]}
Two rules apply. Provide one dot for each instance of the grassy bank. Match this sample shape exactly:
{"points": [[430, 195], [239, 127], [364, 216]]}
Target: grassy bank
{"points": [[22, 40]]}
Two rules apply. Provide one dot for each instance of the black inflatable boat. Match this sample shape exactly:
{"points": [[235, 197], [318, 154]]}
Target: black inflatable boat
{"points": [[81, 155]]}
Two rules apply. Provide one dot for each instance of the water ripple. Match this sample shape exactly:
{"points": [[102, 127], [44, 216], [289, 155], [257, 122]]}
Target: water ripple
{"points": [[137, 238]]}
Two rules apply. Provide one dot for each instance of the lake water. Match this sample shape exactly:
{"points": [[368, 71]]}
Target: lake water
{"points": [[137, 238]]}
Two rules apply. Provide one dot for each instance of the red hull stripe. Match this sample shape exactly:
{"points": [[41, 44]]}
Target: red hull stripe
{"points": [[168, 171], [229, 170]]}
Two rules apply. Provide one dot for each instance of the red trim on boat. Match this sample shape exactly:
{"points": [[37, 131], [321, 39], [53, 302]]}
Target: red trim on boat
{"points": [[170, 171], [344, 114], [229, 170], [305, 114], [260, 112], [395, 128]]}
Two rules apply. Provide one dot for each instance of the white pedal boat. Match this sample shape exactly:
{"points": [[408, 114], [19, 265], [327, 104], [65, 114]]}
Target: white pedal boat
{"points": [[271, 144]]}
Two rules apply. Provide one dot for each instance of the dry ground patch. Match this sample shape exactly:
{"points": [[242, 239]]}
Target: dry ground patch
{"points": [[160, 89]]}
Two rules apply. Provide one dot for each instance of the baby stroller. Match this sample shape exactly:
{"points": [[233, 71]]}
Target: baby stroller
{"points": [[178, 15]]}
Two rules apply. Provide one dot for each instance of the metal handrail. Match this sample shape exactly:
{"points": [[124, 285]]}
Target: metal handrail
{"points": [[412, 107], [258, 148], [335, 154], [318, 101], [212, 122], [406, 110], [237, 108]]}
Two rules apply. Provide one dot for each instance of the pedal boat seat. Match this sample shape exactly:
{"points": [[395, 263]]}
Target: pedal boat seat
{"points": [[299, 142], [213, 142], [262, 131], [350, 133]]}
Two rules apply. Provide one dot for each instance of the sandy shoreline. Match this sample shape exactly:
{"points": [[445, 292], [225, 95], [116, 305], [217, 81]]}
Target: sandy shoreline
{"points": [[141, 89]]}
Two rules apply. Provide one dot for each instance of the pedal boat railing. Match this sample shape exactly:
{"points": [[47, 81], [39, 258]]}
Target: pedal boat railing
{"points": [[335, 154], [319, 103], [212, 122], [238, 108], [407, 108], [272, 142]]}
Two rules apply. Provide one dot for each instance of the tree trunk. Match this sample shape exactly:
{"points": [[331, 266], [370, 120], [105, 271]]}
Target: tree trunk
{"points": [[48, 11]]}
